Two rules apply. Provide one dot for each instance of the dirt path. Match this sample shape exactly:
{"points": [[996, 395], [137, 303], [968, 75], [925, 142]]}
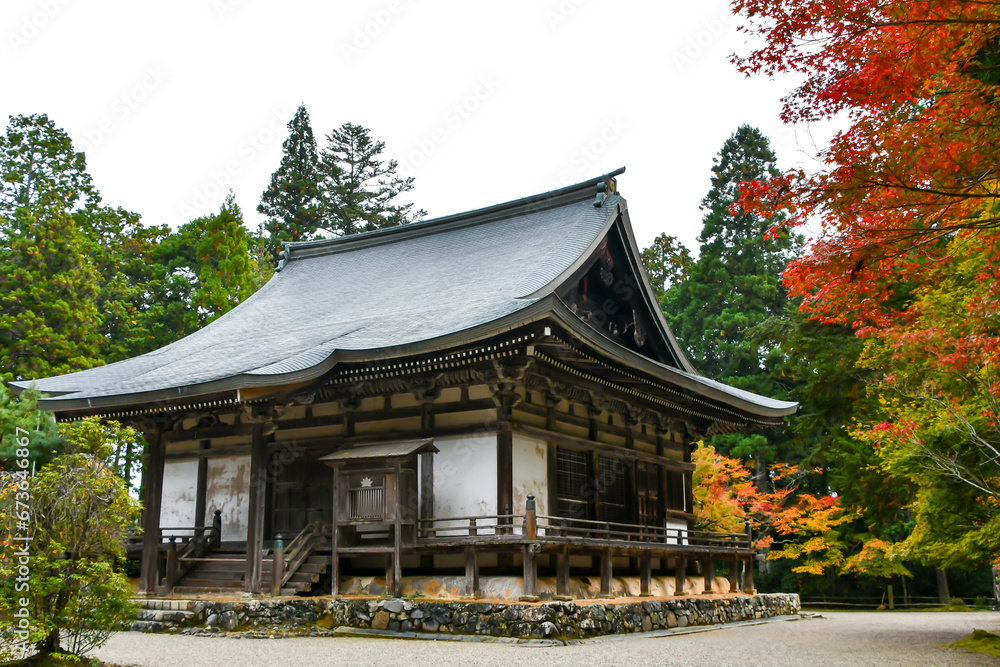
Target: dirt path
{"points": [[840, 638]]}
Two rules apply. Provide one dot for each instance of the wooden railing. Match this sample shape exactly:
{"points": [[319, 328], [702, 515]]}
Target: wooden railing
{"points": [[519, 527], [563, 528], [287, 561], [486, 526]]}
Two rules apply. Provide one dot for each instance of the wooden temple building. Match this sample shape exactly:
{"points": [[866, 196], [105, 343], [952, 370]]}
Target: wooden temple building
{"points": [[491, 391]]}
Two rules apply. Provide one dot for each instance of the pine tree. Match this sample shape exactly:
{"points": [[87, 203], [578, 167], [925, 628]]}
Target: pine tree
{"points": [[226, 271], [358, 187], [292, 201], [40, 168], [49, 322], [734, 286]]}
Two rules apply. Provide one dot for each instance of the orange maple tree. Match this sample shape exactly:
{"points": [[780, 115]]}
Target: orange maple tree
{"points": [[786, 523]]}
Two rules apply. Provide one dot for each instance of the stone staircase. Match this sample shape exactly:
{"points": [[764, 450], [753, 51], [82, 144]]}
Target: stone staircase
{"points": [[225, 572]]}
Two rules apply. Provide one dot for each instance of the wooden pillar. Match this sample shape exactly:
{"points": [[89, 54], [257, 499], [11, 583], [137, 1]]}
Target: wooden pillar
{"points": [[645, 574], [734, 575], [562, 573], [334, 535], [171, 574], [397, 559], [152, 483], [471, 572], [709, 568], [505, 472], [748, 568], [680, 575], [202, 486], [390, 575], [606, 572], [530, 572], [255, 512], [748, 586], [427, 500]]}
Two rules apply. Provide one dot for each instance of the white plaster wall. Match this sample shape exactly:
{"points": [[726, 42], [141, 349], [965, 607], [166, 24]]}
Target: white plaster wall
{"points": [[180, 488], [530, 459], [228, 489], [465, 476]]}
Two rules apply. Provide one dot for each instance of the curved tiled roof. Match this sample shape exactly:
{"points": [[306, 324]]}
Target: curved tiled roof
{"points": [[381, 291]]}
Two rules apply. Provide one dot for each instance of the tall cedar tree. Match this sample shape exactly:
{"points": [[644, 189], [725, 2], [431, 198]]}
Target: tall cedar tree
{"points": [[358, 188], [292, 201], [49, 322], [735, 285]]}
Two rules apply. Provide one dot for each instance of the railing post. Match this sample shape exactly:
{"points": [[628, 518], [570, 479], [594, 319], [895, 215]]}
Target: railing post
{"points": [[709, 568], [473, 531], [171, 574], [277, 565], [530, 518], [216, 529]]}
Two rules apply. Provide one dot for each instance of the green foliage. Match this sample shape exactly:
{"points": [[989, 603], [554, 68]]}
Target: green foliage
{"points": [[980, 641], [208, 270], [121, 249], [21, 412], [118, 447], [293, 200], [49, 322], [667, 263], [938, 407], [734, 286], [41, 169], [80, 515], [358, 187]]}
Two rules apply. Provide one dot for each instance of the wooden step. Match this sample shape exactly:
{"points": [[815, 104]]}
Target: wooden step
{"points": [[211, 583]]}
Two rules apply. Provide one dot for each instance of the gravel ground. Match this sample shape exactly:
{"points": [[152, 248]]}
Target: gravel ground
{"points": [[839, 638]]}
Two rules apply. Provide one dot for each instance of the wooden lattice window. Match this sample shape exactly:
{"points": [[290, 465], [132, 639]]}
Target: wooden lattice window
{"points": [[573, 484], [367, 497], [676, 496], [613, 488]]}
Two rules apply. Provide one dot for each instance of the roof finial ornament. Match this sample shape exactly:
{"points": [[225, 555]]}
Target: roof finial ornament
{"points": [[282, 257], [606, 187]]}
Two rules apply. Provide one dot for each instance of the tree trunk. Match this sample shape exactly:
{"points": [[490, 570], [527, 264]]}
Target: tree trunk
{"points": [[50, 644], [942, 585], [996, 586], [128, 466], [760, 474]]}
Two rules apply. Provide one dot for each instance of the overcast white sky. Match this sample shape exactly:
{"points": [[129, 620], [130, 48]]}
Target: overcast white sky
{"points": [[482, 102]]}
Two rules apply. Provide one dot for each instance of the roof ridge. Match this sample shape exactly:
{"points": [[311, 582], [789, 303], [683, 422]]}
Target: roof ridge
{"points": [[571, 193]]}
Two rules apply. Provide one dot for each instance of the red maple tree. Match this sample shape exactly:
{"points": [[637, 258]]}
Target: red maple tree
{"points": [[915, 81]]}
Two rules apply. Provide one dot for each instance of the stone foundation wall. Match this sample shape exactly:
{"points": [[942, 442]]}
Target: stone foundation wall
{"points": [[550, 620]]}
